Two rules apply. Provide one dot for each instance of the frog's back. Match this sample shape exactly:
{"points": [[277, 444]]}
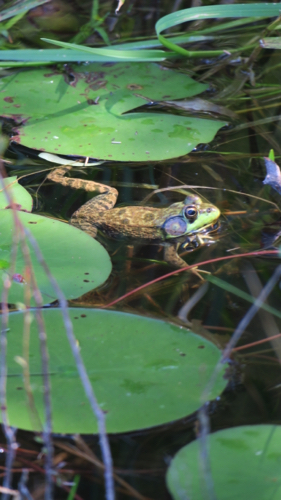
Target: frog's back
{"points": [[133, 222]]}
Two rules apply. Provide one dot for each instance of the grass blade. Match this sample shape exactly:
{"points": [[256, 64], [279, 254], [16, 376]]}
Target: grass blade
{"points": [[262, 10], [113, 54]]}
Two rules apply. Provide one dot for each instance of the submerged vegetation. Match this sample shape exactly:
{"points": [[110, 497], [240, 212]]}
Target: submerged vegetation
{"points": [[126, 344]]}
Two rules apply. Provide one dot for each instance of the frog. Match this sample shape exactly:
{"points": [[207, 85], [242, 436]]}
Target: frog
{"points": [[184, 224]]}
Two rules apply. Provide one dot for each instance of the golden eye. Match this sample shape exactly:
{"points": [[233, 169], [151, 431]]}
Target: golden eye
{"points": [[191, 212]]}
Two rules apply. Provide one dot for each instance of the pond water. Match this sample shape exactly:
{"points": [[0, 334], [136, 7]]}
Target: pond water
{"points": [[229, 173]]}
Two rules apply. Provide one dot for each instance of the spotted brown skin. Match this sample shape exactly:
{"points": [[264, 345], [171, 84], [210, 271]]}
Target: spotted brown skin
{"points": [[173, 225]]}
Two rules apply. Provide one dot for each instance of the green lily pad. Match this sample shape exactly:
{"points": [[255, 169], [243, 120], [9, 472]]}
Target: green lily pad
{"points": [[83, 114], [144, 372], [245, 463], [18, 194], [78, 262]]}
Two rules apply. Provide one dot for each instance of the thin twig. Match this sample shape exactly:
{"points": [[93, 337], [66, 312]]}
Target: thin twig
{"points": [[9, 492], [104, 443], [22, 485], [19, 237], [8, 431], [203, 414], [87, 454], [47, 433], [109, 483]]}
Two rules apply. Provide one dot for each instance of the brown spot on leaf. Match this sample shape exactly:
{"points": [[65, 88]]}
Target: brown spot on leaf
{"points": [[134, 86], [15, 206], [8, 99], [47, 75]]}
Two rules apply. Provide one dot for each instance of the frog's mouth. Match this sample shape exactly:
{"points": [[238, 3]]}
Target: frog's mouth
{"points": [[209, 228], [191, 241]]}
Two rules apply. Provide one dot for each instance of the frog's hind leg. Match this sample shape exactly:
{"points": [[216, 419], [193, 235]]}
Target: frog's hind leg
{"points": [[84, 225], [87, 217], [58, 176]]}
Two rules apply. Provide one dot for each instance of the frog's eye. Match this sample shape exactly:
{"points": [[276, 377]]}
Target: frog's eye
{"points": [[175, 226], [191, 212]]}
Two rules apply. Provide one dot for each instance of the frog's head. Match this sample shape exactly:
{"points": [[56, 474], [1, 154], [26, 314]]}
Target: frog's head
{"points": [[195, 216]]}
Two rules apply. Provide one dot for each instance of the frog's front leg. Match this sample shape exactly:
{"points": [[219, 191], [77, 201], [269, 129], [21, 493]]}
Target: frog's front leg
{"points": [[172, 257], [88, 216]]}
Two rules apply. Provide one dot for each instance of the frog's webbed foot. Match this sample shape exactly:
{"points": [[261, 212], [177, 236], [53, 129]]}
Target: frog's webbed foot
{"points": [[196, 241], [204, 239]]}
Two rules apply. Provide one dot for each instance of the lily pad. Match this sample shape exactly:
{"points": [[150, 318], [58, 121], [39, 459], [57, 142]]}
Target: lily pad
{"points": [[83, 113], [245, 463], [78, 262], [17, 193], [144, 372]]}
